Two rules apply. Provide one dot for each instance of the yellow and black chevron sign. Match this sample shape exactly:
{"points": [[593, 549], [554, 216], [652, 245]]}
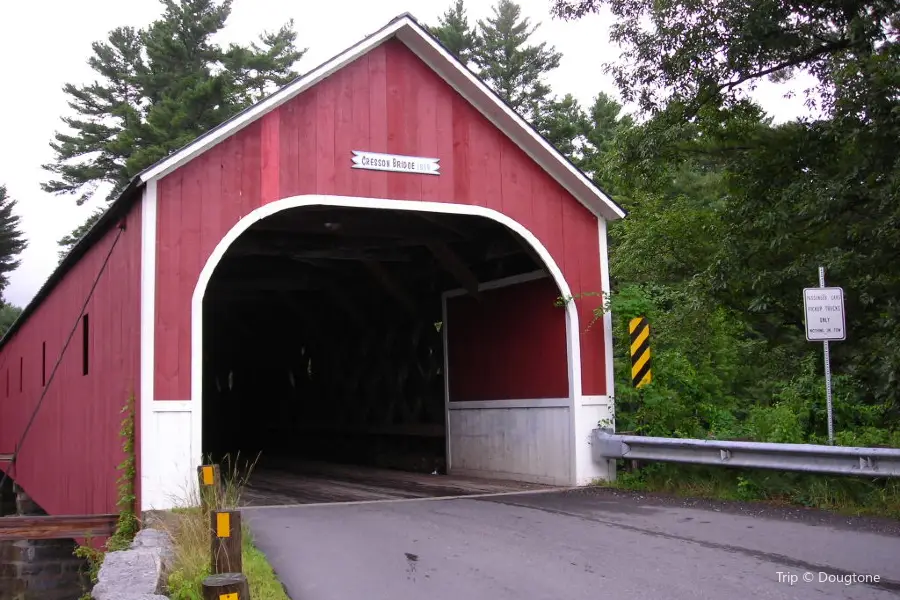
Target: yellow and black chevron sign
{"points": [[640, 352]]}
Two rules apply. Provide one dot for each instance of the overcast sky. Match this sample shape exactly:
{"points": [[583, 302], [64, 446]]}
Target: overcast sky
{"points": [[45, 43]]}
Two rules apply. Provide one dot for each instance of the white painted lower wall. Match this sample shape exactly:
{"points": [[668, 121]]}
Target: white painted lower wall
{"points": [[525, 440], [590, 413], [168, 472]]}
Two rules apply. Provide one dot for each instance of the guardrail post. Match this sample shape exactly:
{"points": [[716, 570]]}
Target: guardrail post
{"points": [[225, 545], [210, 486], [226, 586]]}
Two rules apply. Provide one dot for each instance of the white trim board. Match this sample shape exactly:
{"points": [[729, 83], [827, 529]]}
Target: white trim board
{"points": [[411, 34], [607, 315], [594, 401], [149, 469], [159, 406], [507, 404]]}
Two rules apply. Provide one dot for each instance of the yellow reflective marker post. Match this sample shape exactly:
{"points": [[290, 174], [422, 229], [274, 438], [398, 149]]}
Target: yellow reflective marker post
{"points": [[223, 524], [226, 586], [641, 374], [225, 543], [210, 480], [207, 475]]}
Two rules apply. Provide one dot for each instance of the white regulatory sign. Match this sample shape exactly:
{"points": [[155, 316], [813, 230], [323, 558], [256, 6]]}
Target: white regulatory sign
{"points": [[824, 308], [395, 162]]}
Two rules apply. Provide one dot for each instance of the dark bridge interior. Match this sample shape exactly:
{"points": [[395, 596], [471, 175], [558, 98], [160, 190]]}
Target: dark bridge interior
{"points": [[322, 333]]}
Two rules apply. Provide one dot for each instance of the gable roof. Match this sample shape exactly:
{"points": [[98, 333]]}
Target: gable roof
{"points": [[406, 29]]}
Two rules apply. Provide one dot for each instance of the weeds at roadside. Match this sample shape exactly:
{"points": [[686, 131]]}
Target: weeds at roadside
{"points": [[188, 526], [854, 496]]}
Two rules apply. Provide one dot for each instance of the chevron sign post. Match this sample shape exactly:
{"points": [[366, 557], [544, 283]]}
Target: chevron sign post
{"points": [[639, 329]]}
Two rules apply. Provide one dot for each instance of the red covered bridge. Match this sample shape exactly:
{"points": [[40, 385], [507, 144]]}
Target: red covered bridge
{"points": [[365, 266]]}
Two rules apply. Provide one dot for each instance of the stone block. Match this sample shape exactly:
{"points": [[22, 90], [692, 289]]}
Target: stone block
{"points": [[129, 571], [52, 550], [25, 505], [137, 573], [9, 552], [9, 570], [44, 569]]}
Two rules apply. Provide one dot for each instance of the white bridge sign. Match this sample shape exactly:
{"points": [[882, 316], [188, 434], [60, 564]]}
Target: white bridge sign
{"points": [[394, 162], [824, 308]]}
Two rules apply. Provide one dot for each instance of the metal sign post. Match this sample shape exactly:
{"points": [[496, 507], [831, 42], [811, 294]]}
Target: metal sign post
{"points": [[824, 309]]}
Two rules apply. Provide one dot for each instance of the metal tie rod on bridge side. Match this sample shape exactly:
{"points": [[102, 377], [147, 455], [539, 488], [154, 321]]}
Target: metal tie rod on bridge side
{"points": [[810, 458]]}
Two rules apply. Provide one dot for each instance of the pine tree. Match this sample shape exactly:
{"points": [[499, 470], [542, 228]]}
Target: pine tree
{"points": [[606, 121], [12, 240], [104, 110], [8, 316], [158, 88], [454, 32], [604, 124], [564, 124], [67, 242], [258, 70], [511, 66]]}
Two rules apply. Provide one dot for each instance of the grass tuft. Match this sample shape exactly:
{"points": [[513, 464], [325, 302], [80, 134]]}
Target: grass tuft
{"points": [[188, 525], [855, 496]]}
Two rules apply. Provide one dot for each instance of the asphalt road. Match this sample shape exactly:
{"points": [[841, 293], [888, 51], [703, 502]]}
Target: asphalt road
{"points": [[570, 545]]}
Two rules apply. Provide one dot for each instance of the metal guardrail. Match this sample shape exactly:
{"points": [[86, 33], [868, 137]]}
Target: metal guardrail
{"points": [[810, 458]]}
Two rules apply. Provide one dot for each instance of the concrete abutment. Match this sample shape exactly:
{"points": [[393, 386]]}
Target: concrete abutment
{"points": [[37, 569]]}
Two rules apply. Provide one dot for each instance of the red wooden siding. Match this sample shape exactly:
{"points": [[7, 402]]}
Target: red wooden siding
{"points": [[510, 345], [386, 101], [68, 461]]}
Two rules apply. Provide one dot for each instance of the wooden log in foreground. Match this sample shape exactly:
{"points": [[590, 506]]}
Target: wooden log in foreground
{"points": [[56, 527], [225, 544], [226, 586]]}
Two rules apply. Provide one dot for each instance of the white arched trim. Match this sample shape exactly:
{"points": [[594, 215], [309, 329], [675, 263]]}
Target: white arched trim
{"points": [[572, 337]]}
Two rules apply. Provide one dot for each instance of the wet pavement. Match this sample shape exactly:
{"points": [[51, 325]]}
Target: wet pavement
{"points": [[586, 543]]}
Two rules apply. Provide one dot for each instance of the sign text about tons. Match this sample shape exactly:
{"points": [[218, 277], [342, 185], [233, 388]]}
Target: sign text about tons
{"points": [[824, 308]]}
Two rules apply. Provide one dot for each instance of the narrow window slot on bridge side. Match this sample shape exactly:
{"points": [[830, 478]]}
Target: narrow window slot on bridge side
{"points": [[85, 345]]}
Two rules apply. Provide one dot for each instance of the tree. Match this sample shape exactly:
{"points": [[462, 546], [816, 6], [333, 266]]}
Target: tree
{"points": [[695, 53], [68, 241], [104, 110], [157, 89], [817, 191], [564, 124], [8, 316], [604, 126], [510, 65], [12, 240], [605, 123], [454, 32]]}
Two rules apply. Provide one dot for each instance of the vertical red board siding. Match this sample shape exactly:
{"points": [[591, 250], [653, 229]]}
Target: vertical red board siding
{"points": [[510, 345], [270, 157], [386, 101], [68, 461]]}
